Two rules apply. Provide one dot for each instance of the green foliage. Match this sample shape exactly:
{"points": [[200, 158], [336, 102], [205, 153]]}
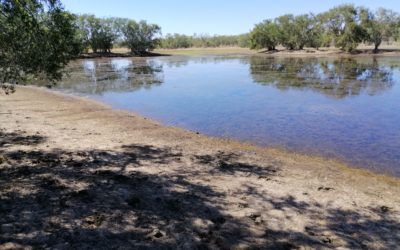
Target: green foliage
{"points": [[141, 37], [176, 41], [344, 26], [202, 40], [265, 35], [373, 28], [37, 39], [287, 30], [99, 34], [389, 22]]}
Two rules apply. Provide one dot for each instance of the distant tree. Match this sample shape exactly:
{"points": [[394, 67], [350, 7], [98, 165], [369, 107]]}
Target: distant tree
{"points": [[316, 35], [117, 25], [287, 30], [141, 37], [373, 28], [176, 41], [99, 34], [343, 24], [389, 23], [304, 34], [243, 40], [37, 40], [264, 35], [203, 40]]}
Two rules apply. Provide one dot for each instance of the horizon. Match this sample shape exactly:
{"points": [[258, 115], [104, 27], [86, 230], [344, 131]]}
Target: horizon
{"points": [[222, 17]]}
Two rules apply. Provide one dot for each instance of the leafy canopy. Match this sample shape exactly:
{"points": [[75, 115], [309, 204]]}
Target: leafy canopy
{"points": [[37, 40]]}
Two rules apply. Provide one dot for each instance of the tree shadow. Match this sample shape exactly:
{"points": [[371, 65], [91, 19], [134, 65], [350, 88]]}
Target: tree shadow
{"points": [[105, 199], [17, 138], [229, 163]]}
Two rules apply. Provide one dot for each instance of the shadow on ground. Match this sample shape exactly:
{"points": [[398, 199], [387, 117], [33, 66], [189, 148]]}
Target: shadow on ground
{"points": [[97, 200]]}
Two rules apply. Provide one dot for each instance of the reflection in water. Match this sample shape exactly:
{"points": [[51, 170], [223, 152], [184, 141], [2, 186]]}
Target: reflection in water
{"points": [[298, 104], [118, 75], [338, 78]]}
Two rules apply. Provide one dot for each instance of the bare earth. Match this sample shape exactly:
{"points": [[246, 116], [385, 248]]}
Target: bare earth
{"points": [[362, 50], [76, 174]]}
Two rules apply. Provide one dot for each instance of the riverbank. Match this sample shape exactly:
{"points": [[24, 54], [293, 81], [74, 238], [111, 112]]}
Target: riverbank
{"points": [[229, 51], [282, 52], [76, 173]]}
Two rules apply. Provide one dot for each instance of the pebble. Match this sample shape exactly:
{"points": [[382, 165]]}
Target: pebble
{"points": [[157, 233]]}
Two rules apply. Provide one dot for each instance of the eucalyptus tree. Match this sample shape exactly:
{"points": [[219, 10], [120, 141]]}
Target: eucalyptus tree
{"points": [[344, 25], [37, 40], [373, 28], [287, 31], [99, 33], [141, 37], [265, 35], [306, 31], [176, 41], [389, 23]]}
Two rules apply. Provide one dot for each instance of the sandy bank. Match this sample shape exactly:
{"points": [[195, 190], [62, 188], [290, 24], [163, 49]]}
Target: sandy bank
{"points": [[75, 173], [362, 51]]}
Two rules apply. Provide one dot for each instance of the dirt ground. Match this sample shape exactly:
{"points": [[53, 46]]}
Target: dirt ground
{"points": [[362, 50], [76, 174]]}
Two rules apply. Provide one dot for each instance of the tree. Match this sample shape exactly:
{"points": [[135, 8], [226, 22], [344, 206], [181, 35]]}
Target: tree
{"points": [[287, 31], [304, 31], [388, 21], [373, 28], [176, 41], [343, 24], [316, 35], [100, 34], [141, 36], [265, 35], [37, 40]]}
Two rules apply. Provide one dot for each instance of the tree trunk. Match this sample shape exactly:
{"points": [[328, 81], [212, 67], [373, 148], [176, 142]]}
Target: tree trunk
{"points": [[376, 47]]}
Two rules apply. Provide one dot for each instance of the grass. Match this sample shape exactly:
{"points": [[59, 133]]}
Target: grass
{"points": [[207, 51], [392, 47]]}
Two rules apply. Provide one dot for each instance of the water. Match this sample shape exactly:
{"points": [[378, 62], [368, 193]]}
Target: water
{"points": [[340, 108]]}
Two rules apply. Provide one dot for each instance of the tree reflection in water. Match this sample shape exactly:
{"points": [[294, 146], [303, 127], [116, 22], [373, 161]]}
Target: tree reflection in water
{"points": [[116, 75], [338, 78]]}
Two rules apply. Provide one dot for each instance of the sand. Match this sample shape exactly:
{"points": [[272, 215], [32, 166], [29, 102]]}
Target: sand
{"points": [[77, 174]]}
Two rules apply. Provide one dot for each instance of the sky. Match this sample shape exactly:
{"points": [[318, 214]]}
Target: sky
{"points": [[223, 17]]}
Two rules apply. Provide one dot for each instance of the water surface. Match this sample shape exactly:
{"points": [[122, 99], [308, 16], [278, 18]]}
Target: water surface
{"points": [[340, 108]]}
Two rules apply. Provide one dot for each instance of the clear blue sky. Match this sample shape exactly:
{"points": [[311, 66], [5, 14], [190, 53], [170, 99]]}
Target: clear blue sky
{"points": [[209, 16]]}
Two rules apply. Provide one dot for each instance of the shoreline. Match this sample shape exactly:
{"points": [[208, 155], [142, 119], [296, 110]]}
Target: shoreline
{"points": [[115, 177], [236, 143], [226, 51]]}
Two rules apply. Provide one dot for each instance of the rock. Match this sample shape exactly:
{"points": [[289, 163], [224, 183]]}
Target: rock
{"points": [[157, 233], [2, 159], [95, 220], [385, 209], [254, 216], [258, 220], [243, 205], [327, 240], [13, 246], [325, 188]]}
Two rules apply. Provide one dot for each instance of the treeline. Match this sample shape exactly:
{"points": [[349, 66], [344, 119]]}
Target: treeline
{"points": [[175, 41], [102, 34], [345, 27], [38, 38]]}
